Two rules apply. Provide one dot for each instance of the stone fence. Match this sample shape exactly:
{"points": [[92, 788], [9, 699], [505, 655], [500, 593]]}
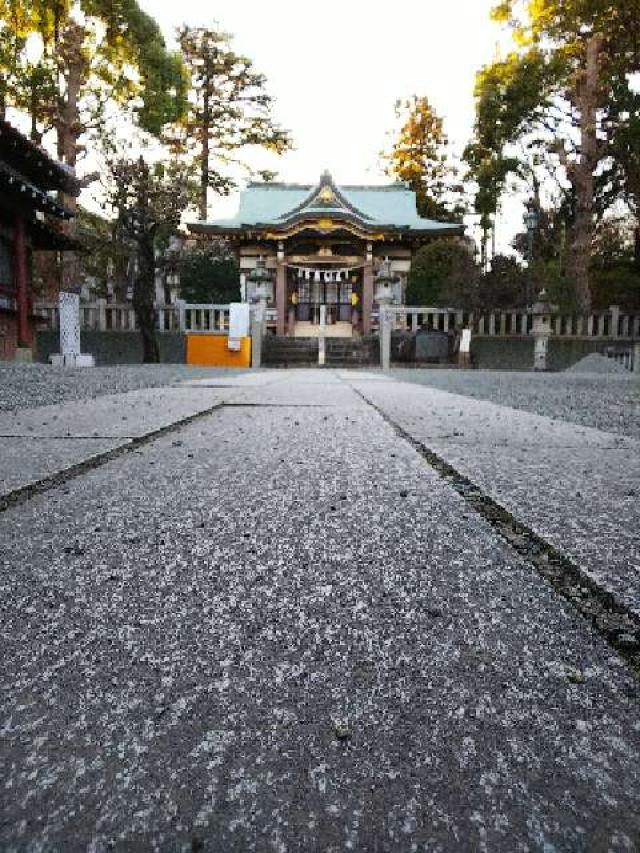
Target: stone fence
{"points": [[211, 319], [612, 323], [103, 316], [502, 339]]}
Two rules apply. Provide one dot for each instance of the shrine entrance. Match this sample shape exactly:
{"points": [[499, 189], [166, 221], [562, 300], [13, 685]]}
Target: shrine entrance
{"points": [[337, 296], [337, 288]]}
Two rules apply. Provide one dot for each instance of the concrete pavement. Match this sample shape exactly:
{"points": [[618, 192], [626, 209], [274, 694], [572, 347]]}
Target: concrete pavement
{"points": [[277, 628]]}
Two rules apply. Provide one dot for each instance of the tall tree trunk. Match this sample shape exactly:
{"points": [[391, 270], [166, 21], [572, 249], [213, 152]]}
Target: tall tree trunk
{"points": [[205, 130], [587, 99], [74, 66], [144, 286]]}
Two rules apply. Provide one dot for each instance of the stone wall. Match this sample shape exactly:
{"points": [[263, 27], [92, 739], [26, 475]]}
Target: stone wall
{"points": [[116, 347], [516, 353]]}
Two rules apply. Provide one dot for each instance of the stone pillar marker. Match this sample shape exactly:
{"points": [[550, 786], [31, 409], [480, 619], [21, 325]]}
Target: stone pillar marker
{"points": [[541, 312], [69, 314]]}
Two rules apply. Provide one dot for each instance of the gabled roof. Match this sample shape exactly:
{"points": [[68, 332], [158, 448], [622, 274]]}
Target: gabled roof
{"points": [[276, 207]]}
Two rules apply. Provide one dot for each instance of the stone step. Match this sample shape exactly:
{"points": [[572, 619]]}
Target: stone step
{"points": [[339, 352]]}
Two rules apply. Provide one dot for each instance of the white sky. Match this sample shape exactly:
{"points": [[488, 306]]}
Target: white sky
{"points": [[336, 68]]}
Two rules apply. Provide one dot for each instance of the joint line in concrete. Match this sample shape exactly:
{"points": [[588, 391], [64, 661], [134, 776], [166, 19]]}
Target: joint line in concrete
{"points": [[24, 493], [610, 617]]}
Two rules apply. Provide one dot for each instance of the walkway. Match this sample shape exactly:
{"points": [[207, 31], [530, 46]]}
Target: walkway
{"points": [[261, 613]]}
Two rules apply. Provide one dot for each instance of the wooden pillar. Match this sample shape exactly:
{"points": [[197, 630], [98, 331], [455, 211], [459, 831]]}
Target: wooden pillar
{"points": [[281, 292], [367, 290], [22, 283]]}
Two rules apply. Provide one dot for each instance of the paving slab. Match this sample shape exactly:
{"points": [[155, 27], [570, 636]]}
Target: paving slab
{"points": [[300, 387], [281, 630], [607, 402], [32, 385], [111, 416], [39, 442], [24, 461], [575, 486]]}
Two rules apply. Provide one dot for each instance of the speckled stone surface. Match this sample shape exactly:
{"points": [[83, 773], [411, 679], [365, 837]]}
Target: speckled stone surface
{"points": [[278, 630], [606, 402], [24, 461], [577, 487], [31, 385], [38, 442], [114, 416]]}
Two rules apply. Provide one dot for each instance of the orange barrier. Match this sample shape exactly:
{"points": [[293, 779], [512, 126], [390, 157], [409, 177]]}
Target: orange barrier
{"points": [[212, 351]]}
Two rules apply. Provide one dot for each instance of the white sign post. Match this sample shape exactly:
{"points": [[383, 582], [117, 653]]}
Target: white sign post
{"points": [[464, 353]]}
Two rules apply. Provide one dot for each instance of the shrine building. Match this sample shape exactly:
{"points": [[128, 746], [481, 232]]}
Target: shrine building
{"points": [[323, 244], [31, 217]]}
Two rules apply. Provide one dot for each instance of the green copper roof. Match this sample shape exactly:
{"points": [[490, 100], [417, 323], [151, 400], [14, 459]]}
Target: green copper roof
{"points": [[277, 205]]}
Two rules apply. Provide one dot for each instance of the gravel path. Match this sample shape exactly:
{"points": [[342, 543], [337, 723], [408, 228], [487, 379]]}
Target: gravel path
{"points": [[279, 630], [606, 402], [26, 386]]}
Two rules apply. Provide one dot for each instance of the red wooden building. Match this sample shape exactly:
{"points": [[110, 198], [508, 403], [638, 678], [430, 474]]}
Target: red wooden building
{"points": [[31, 217]]}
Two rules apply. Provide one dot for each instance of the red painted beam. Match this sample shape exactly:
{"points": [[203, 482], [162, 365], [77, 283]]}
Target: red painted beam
{"points": [[22, 283]]}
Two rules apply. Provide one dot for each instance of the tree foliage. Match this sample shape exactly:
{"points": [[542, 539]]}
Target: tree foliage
{"points": [[504, 285], [443, 274], [209, 274], [556, 94], [148, 203], [420, 157], [229, 109]]}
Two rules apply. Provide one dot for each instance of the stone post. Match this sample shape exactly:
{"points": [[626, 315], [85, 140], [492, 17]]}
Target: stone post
{"points": [[386, 318], [257, 323], [367, 290], [182, 315], [636, 358], [614, 311], [322, 336], [281, 291], [102, 315], [384, 298]]}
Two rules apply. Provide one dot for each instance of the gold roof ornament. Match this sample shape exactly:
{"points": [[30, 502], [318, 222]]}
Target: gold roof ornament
{"points": [[327, 195]]}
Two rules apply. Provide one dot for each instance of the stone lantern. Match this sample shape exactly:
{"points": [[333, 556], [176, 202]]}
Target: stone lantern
{"points": [[541, 311], [385, 281], [260, 283], [384, 296]]}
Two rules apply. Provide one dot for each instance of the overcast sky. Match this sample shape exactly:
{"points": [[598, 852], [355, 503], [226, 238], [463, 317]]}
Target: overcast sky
{"points": [[336, 68]]}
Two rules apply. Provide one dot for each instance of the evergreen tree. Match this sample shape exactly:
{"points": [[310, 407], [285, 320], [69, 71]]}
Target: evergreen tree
{"points": [[229, 110], [554, 91], [91, 48], [148, 203], [420, 157]]}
